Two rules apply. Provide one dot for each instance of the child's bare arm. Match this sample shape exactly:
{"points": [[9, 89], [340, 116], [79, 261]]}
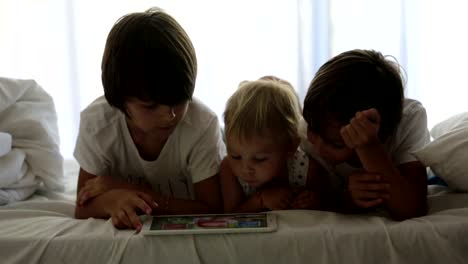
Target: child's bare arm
{"points": [[120, 204], [97, 185], [207, 199], [317, 194], [274, 197], [268, 198], [231, 190], [402, 189]]}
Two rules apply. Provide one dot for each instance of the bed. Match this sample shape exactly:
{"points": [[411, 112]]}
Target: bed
{"points": [[42, 230]]}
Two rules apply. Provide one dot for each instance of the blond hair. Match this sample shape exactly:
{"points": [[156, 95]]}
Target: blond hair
{"points": [[261, 105]]}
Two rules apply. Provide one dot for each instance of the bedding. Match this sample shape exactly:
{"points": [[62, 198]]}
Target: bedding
{"points": [[5, 143], [447, 154], [29, 141], [42, 230]]}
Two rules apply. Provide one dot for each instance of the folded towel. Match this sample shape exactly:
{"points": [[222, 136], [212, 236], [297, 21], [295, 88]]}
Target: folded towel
{"points": [[5, 143], [27, 113]]}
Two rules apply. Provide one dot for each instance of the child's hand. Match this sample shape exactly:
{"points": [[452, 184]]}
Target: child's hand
{"points": [[367, 190], [306, 200], [362, 129], [94, 187], [124, 206], [277, 198]]}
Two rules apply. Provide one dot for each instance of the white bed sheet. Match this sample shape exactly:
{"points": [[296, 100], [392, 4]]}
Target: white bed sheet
{"points": [[43, 230]]}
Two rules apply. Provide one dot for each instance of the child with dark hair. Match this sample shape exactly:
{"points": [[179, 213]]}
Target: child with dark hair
{"points": [[363, 127], [148, 146]]}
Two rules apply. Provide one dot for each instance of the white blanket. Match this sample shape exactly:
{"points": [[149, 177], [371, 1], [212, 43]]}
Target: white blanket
{"points": [[5, 143], [17, 182], [43, 230], [28, 114]]}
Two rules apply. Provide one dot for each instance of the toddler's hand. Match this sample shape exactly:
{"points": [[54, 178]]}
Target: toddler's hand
{"points": [[277, 198], [362, 129], [367, 190], [306, 200], [124, 206]]}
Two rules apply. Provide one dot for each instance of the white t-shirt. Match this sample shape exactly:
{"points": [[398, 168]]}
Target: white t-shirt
{"points": [[411, 135], [192, 153]]}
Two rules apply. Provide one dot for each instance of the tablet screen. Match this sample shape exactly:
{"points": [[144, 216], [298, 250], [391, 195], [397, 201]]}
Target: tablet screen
{"points": [[214, 223]]}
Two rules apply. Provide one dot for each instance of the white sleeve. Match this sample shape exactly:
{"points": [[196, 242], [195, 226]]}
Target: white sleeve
{"points": [[412, 134], [88, 152], [207, 153]]}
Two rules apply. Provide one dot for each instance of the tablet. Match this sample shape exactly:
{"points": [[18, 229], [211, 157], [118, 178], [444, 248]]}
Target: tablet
{"points": [[209, 224]]}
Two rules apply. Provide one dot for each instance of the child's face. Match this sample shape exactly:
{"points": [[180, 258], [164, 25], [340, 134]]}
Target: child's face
{"points": [[257, 160], [330, 144], [150, 117]]}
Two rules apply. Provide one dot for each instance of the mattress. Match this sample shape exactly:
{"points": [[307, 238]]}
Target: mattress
{"points": [[42, 230]]}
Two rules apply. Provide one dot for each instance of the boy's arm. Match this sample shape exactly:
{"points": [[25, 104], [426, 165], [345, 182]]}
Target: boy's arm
{"points": [[92, 209], [207, 199], [402, 190], [94, 185], [127, 201], [110, 202], [407, 183]]}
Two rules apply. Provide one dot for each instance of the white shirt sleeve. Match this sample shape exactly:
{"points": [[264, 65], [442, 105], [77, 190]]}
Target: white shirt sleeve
{"points": [[88, 151], [412, 133], [207, 153]]}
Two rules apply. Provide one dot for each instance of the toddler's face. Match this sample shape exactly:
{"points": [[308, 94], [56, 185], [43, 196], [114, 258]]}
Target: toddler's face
{"points": [[330, 145], [150, 117], [257, 160]]}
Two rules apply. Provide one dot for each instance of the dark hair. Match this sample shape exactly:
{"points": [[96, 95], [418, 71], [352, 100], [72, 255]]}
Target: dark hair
{"points": [[149, 56], [354, 81]]}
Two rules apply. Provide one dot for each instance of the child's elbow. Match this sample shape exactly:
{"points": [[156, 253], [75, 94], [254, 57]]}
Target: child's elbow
{"points": [[79, 215], [420, 211], [80, 212]]}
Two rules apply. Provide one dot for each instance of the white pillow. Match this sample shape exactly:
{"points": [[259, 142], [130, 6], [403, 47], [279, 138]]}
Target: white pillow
{"points": [[447, 155], [460, 120]]}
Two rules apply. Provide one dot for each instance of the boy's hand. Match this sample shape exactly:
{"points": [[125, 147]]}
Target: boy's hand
{"points": [[306, 200], [94, 187], [124, 206], [277, 198], [367, 190], [362, 129]]}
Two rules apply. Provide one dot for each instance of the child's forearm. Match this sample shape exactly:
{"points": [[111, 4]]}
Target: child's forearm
{"points": [[132, 186], [345, 205], [243, 205], [94, 208], [404, 202], [253, 204], [170, 206]]}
